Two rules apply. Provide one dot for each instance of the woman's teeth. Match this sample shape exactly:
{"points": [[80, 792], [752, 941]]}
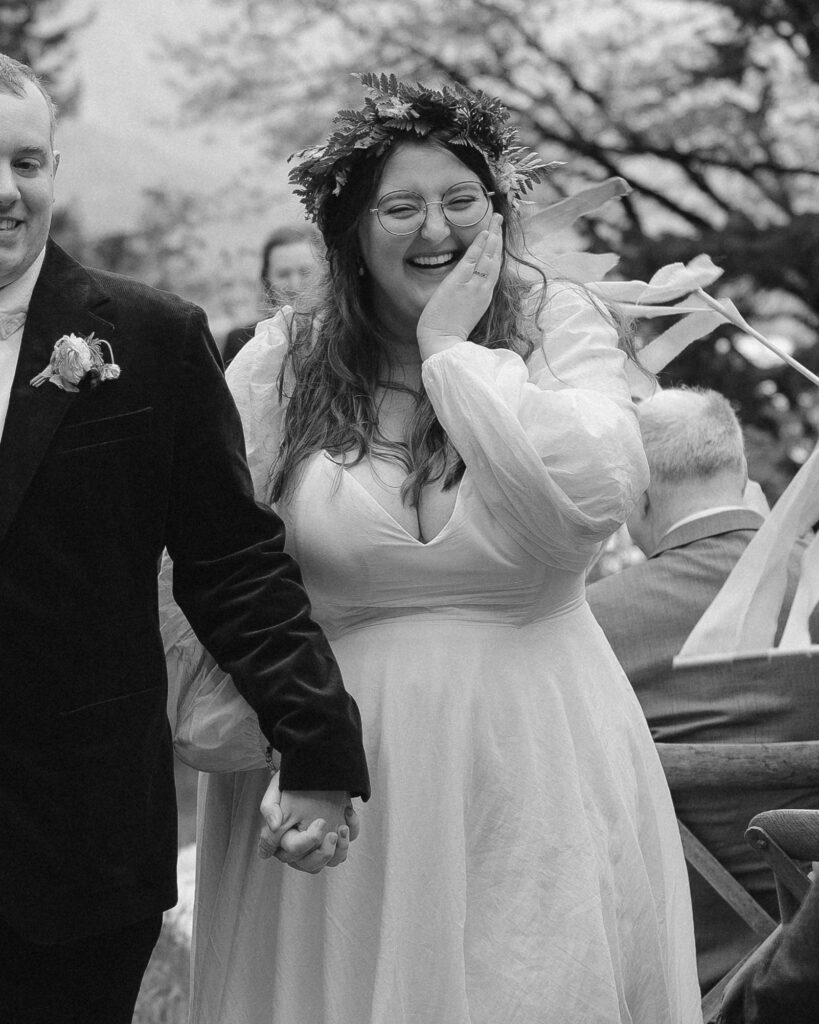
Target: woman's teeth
{"points": [[442, 259]]}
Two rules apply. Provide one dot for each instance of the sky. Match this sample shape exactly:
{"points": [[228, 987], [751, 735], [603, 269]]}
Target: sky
{"points": [[126, 135]]}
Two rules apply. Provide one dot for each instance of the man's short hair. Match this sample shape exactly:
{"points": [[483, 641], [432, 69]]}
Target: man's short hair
{"points": [[691, 433], [13, 77]]}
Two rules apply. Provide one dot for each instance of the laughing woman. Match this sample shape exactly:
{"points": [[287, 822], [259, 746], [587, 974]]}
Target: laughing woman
{"points": [[449, 445]]}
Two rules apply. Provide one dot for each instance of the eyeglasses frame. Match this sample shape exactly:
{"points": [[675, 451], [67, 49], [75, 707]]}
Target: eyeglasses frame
{"points": [[427, 205]]}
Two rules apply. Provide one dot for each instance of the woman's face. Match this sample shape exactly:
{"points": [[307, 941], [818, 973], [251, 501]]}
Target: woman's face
{"points": [[406, 269]]}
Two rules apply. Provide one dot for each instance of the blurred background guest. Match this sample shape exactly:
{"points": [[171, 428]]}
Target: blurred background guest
{"points": [[693, 523], [288, 259]]}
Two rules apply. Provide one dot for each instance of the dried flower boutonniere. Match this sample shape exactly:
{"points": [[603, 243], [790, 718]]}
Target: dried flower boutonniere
{"points": [[78, 364]]}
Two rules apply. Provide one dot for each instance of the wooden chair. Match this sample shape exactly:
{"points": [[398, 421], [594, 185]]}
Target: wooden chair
{"points": [[781, 838], [753, 768]]}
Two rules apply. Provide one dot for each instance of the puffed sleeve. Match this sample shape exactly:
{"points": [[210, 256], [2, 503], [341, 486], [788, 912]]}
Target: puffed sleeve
{"points": [[214, 728], [253, 379], [552, 444]]}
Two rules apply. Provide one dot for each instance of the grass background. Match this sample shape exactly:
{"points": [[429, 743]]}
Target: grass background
{"points": [[163, 998]]}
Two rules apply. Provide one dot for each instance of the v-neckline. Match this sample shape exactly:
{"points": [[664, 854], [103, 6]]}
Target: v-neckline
{"points": [[391, 518]]}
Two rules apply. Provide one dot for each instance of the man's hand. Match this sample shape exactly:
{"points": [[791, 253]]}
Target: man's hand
{"points": [[309, 830]]}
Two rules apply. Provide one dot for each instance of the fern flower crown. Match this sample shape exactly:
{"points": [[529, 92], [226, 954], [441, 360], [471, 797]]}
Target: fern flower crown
{"points": [[398, 111]]}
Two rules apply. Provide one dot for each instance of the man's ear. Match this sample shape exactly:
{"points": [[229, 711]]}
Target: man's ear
{"points": [[643, 506]]}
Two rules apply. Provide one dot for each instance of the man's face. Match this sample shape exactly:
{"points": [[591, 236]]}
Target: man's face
{"points": [[27, 167], [290, 266]]}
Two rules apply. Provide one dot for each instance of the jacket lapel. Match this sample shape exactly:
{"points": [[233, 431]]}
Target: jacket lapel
{"points": [[62, 303]]}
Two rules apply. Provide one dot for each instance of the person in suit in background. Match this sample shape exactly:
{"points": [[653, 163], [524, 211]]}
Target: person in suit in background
{"points": [[288, 259], [102, 465], [693, 523]]}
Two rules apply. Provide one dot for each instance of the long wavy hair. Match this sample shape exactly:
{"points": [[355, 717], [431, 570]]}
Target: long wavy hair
{"points": [[335, 363]]}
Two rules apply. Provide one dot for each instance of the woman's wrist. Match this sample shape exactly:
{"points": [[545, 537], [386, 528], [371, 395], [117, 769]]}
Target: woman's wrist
{"points": [[430, 344]]}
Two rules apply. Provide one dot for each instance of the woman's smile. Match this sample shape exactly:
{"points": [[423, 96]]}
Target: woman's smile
{"points": [[406, 268], [435, 261]]}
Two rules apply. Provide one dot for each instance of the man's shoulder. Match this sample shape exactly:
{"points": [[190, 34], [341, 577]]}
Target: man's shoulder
{"points": [[609, 590], [668, 575], [130, 292]]}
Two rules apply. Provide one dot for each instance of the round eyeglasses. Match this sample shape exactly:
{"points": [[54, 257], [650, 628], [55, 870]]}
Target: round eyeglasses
{"points": [[463, 205]]}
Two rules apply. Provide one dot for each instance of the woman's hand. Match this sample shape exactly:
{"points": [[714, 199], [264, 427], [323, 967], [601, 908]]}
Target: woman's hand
{"points": [[307, 830], [461, 299]]}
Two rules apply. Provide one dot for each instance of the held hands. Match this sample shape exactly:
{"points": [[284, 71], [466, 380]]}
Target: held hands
{"points": [[308, 830], [462, 298]]}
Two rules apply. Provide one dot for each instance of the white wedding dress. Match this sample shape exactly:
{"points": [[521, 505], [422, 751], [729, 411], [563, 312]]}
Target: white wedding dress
{"points": [[519, 861]]}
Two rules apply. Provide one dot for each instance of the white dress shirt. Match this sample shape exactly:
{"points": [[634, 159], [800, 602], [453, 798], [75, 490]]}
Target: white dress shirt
{"points": [[703, 512], [15, 296]]}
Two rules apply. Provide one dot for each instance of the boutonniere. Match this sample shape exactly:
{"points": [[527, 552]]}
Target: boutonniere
{"points": [[78, 364]]}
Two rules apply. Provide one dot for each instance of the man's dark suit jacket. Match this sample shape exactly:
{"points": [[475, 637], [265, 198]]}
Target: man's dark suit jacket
{"points": [[93, 486], [647, 612]]}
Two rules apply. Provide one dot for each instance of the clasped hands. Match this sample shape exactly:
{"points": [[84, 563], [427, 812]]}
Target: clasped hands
{"points": [[307, 829]]}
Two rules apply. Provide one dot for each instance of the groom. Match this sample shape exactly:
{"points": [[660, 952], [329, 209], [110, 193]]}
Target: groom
{"points": [[130, 444]]}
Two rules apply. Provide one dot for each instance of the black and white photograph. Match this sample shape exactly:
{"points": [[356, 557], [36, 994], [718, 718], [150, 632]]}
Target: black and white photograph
{"points": [[409, 494]]}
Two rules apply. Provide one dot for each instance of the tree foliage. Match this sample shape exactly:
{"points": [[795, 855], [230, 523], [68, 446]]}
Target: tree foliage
{"points": [[39, 33], [707, 107]]}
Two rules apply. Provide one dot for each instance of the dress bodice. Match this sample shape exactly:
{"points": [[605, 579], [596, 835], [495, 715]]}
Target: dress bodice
{"points": [[361, 566]]}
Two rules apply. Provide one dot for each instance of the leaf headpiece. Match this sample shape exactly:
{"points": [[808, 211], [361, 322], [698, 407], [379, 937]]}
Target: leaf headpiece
{"points": [[399, 111]]}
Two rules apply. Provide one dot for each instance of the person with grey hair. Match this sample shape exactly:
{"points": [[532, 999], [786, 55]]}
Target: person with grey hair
{"points": [[103, 464], [693, 522], [697, 462]]}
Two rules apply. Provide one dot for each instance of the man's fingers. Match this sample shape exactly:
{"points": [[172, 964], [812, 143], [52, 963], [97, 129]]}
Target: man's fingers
{"points": [[273, 817], [272, 830], [353, 822], [312, 849], [295, 844], [268, 842], [342, 846], [314, 862]]}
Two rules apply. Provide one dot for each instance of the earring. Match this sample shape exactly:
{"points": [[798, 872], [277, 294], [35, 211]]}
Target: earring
{"points": [[360, 269]]}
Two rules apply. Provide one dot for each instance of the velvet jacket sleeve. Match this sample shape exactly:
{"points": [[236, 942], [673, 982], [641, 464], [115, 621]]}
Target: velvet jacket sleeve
{"points": [[243, 595]]}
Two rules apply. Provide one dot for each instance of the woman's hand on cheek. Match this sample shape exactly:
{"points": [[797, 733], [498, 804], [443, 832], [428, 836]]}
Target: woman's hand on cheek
{"points": [[462, 298]]}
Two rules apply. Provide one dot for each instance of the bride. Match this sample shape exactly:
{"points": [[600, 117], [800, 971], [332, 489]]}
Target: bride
{"points": [[448, 446]]}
